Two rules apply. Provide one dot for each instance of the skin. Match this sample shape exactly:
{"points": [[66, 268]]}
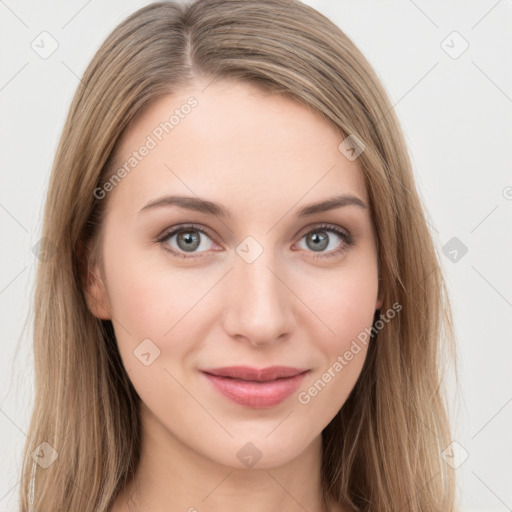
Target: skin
{"points": [[263, 157]]}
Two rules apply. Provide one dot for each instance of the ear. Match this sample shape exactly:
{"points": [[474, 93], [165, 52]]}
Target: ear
{"points": [[93, 286]]}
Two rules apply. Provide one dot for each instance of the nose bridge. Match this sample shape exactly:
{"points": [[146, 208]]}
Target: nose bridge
{"points": [[259, 306]]}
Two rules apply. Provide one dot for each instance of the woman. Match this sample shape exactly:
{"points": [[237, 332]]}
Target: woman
{"points": [[289, 357]]}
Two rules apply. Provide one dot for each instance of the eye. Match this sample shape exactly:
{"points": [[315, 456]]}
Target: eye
{"points": [[188, 240], [318, 239]]}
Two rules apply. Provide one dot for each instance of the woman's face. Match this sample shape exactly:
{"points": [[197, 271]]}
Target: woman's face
{"points": [[257, 287]]}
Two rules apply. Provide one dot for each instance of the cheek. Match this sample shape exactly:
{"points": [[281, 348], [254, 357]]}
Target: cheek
{"points": [[152, 313], [148, 295], [352, 310], [348, 311], [343, 302], [344, 308], [159, 319]]}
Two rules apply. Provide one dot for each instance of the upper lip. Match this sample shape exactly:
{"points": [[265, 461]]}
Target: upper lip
{"points": [[248, 373]]}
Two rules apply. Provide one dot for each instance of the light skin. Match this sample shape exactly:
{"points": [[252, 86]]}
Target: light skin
{"points": [[262, 157]]}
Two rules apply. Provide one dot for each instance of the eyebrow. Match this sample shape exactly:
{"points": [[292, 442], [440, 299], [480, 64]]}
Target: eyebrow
{"points": [[209, 207]]}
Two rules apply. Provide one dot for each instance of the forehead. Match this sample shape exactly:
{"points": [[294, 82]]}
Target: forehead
{"points": [[233, 142]]}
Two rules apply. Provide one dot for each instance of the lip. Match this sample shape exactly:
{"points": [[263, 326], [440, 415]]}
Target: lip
{"points": [[256, 388]]}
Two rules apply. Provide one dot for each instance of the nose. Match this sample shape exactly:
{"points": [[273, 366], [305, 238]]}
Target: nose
{"points": [[259, 302]]}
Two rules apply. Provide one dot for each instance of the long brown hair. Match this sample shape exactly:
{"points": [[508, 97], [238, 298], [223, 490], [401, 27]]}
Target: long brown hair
{"points": [[382, 451]]}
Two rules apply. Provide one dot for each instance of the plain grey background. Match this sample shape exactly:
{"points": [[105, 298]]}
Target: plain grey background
{"points": [[447, 68]]}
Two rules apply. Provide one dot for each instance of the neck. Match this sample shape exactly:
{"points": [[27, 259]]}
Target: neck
{"points": [[173, 476]]}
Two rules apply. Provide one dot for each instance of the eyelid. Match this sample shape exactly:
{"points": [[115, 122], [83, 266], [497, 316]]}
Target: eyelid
{"points": [[322, 225]]}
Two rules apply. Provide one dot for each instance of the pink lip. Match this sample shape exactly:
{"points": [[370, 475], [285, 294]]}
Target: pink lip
{"points": [[256, 388]]}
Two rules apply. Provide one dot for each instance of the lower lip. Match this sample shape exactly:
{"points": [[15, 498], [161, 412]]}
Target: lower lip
{"points": [[258, 395]]}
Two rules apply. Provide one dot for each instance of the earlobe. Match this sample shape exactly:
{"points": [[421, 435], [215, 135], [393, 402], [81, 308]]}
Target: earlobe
{"points": [[94, 288], [97, 297]]}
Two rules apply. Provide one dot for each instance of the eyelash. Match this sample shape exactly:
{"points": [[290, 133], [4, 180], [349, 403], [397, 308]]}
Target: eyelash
{"points": [[344, 235]]}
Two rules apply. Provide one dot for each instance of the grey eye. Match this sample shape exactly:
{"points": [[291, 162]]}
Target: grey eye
{"points": [[318, 240], [188, 240]]}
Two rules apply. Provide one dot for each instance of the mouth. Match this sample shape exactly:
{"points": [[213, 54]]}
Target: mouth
{"points": [[255, 388]]}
